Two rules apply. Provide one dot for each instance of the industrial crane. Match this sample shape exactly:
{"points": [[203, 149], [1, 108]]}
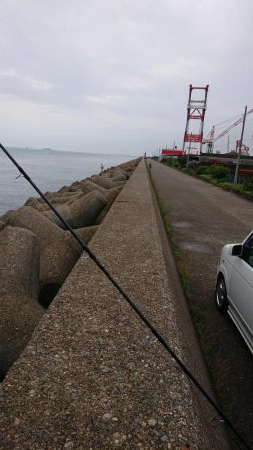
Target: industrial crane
{"points": [[209, 140]]}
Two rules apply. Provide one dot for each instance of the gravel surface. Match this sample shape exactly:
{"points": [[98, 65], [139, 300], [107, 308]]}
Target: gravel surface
{"points": [[93, 376]]}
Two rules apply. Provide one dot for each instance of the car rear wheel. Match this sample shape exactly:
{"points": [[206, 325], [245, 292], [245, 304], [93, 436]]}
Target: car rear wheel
{"points": [[221, 295]]}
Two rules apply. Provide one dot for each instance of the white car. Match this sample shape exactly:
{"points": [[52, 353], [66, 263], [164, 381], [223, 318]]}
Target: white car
{"points": [[234, 287]]}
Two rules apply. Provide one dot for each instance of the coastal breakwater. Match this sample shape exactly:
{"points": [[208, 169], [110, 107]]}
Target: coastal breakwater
{"points": [[92, 375], [37, 253]]}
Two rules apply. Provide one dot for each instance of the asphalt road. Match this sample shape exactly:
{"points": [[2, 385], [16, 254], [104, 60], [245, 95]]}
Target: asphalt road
{"points": [[204, 218]]}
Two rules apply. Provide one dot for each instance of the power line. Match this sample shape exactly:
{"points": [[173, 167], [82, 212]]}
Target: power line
{"points": [[229, 120], [232, 126]]}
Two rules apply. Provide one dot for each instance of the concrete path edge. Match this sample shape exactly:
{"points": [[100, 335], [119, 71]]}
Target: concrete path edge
{"points": [[92, 375]]}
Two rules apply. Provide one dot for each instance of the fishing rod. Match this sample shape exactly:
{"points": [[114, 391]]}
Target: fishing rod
{"points": [[101, 266], [57, 213]]}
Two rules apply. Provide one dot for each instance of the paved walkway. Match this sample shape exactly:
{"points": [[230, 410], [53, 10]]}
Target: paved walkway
{"points": [[203, 219], [92, 375]]}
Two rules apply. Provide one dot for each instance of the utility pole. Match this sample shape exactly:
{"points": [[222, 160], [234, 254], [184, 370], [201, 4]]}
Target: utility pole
{"points": [[189, 151], [228, 144], [240, 147]]}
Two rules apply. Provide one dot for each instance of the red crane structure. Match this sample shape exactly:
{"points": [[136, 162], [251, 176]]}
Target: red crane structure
{"points": [[195, 111]]}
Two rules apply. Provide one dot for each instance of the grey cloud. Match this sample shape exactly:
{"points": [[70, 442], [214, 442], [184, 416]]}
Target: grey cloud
{"points": [[124, 61]]}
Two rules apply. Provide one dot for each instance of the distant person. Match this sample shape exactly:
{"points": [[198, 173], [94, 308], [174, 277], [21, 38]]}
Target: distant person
{"points": [[102, 167]]}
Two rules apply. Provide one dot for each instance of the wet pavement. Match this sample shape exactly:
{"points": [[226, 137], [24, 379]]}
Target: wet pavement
{"points": [[204, 218]]}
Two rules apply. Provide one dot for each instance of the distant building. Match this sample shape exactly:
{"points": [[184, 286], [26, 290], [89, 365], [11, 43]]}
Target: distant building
{"points": [[172, 152]]}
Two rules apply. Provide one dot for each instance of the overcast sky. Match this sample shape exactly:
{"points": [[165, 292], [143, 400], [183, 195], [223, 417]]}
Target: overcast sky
{"points": [[113, 75]]}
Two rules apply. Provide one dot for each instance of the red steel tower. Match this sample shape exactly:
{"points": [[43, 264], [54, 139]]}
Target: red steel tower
{"points": [[195, 111]]}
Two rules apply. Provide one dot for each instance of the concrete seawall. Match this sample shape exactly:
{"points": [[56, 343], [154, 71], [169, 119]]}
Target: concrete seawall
{"points": [[92, 375]]}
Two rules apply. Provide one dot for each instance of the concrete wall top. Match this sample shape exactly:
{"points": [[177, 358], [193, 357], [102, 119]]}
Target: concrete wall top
{"points": [[93, 376]]}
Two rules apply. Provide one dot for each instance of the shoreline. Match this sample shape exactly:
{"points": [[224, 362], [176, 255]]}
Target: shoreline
{"points": [[50, 171]]}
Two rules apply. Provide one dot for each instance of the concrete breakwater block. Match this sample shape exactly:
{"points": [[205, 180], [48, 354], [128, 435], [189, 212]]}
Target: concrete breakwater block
{"points": [[2, 225], [106, 183], [55, 199], [113, 177], [88, 186], [85, 234], [64, 210], [111, 196], [37, 203], [67, 197], [85, 211], [63, 190], [118, 183], [80, 213], [119, 176], [6, 216], [57, 253], [19, 286], [42, 256]]}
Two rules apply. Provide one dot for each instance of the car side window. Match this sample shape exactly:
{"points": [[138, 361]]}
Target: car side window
{"points": [[249, 251], [250, 257]]}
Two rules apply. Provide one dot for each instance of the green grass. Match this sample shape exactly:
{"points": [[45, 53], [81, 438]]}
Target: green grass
{"points": [[217, 366], [196, 310], [198, 316], [215, 174]]}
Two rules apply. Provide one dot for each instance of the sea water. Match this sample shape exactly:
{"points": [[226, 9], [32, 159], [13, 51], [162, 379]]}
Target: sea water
{"points": [[49, 169]]}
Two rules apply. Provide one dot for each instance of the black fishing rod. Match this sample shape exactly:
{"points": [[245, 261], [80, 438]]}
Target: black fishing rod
{"points": [[66, 224], [129, 301]]}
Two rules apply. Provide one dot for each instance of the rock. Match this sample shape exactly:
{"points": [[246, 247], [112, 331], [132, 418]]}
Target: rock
{"points": [[63, 190], [83, 212], [37, 203], [76, 195], [80, 213], [105, 182], [19, 255], [59, 200], [71, 194], [58, 254], [108, 174], [85, 233], [119, 176], [19, 286], [88, 186], [152, 422], [67, 197], [73, 189], [2, 225], [64, 210], [7, 216], [122, 172], [49, 194], [74, 186], [111, 196], [118, 183]]}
